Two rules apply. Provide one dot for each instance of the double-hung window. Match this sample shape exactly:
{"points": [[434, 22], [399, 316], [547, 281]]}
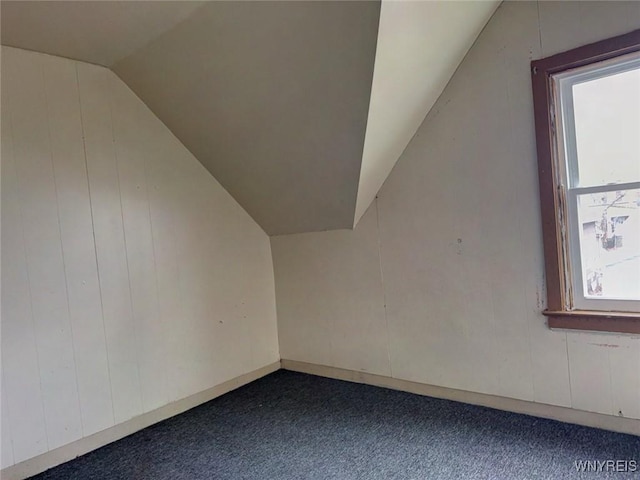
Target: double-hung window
{"points": [[587, 106]]}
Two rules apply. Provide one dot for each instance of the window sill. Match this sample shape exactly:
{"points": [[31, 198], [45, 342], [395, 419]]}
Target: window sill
{"points": [[616, 322]]}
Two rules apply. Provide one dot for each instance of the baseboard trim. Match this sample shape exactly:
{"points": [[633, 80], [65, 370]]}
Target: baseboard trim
{"points": [[50, 459], [554, 412]]}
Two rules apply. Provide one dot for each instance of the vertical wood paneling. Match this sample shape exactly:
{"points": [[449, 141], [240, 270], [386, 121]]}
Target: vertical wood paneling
{"points": [[6, 445], [192, 282], [77, 243], [358, 333], [162, 207], [198, 278], [135, 266], [590, 373], [481, 254], [556, 33], [599, 19], [421, 305], [207, 325], [547, 378], [228, 327], [163, 159], [21, 391], [133, 144], [339, 294], [297, 266], [624, 364], [120, 328], [513, 264], [32, 153]]}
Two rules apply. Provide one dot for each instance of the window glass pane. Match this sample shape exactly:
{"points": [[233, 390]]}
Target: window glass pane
{"points": [[607, 125], [609, 224]]}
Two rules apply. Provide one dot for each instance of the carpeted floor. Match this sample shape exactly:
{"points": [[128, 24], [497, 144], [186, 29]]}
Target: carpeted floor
{"points": [[296, 426]]}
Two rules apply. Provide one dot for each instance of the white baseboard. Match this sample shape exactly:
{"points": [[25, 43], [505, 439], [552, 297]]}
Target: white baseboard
{"points": [[50, 459], [562, 414]]}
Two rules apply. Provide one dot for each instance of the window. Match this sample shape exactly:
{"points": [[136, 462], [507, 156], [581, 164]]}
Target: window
{"points": [[587, 115]]}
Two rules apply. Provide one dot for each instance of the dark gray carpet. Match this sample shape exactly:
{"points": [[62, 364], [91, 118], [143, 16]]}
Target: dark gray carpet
{"points": [[295, 426]]}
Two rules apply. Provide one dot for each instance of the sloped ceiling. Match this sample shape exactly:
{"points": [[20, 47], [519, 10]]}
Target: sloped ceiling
{"points": [[274, 98], [100, 32], [420, 45]]}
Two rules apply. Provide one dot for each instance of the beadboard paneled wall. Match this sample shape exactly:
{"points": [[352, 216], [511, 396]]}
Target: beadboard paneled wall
{"points": [[130, 278]]}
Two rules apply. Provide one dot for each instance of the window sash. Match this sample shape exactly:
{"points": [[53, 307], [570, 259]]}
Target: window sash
{"points": [[567, 179], [563, 92], [573, 251]]}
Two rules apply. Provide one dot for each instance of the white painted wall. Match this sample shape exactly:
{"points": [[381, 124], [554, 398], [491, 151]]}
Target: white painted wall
{"points": [[130, 277], [453, 294], [420, 45]]}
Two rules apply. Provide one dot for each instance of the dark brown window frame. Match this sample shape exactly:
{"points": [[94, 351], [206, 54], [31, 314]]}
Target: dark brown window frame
{"points": [[541, 70]]}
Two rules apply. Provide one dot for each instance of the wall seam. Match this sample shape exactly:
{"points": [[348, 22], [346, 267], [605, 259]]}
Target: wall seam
{"points": [[566, 343], [124, 238], [95, 247], [384, 293], [539, 29], [155, 275], [513, 152], [611, 399], [64, 263], [8, 425]]}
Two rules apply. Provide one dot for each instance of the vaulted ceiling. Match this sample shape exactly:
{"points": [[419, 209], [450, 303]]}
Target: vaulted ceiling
{"points": [[299, 109]]}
